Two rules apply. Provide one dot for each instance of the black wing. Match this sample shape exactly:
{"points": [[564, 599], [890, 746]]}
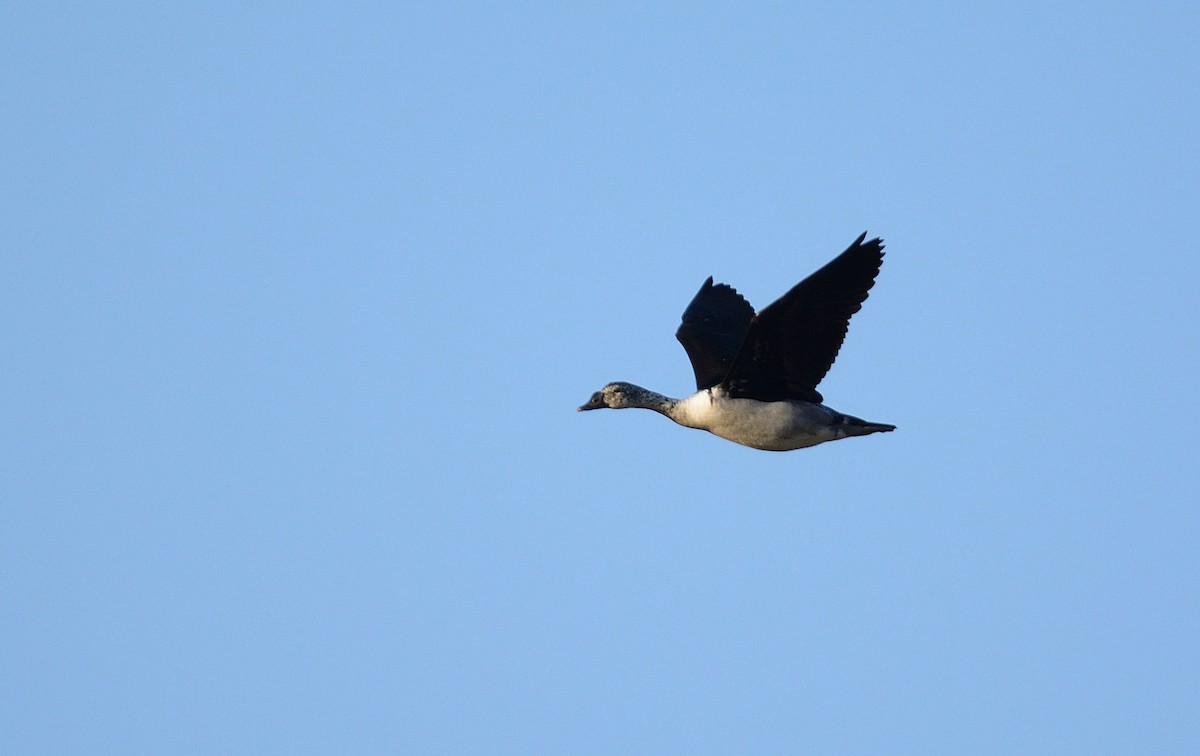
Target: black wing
{"points": [[713, 329], [792, 344]]}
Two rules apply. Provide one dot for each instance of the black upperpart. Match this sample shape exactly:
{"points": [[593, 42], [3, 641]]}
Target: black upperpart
{"points": [[713, 329], [784, 351]]}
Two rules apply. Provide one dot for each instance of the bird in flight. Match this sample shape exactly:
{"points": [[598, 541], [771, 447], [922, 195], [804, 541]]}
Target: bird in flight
{"points": [[757, 374]]}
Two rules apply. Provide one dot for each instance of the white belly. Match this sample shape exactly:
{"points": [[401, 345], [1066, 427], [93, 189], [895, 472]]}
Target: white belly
{"points": [[772, 426]]}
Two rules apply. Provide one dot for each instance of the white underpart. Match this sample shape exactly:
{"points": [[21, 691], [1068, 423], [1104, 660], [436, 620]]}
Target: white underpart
{"points": [[772, 426]]}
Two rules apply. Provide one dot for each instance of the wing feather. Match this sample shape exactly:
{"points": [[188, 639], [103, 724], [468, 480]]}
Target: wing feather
{"points": [[713, 330], [790, 346]]}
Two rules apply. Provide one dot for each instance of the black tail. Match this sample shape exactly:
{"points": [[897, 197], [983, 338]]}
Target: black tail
{"points": [[858, 427]]}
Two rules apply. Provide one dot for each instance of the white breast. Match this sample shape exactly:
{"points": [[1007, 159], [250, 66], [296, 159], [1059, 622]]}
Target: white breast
{"points": [[772, 426]]}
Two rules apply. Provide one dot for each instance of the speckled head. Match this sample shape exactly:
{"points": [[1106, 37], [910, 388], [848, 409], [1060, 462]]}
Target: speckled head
{"points": [[618, 395]]}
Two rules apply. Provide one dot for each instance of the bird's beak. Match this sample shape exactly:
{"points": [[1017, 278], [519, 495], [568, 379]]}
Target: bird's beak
{"points": [[593, 403]]}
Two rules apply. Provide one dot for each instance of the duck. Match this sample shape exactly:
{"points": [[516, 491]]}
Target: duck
{"points": [[757, 373]]}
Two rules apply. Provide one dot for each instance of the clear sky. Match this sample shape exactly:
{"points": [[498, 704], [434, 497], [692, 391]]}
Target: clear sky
{"points": [[297, 304]]}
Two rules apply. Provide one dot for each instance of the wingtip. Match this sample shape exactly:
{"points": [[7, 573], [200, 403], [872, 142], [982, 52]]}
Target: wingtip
{"points": [[877, 242]]}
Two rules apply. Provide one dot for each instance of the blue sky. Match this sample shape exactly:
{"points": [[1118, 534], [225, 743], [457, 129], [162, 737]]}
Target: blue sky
{"points": [[298, 304]]}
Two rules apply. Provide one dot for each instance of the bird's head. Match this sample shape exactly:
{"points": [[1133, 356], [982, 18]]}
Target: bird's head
{"points": [[613, 396]]}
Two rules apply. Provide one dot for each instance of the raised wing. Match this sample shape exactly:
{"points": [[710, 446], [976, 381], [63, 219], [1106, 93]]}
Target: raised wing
{"points": [[713, 329], [792, 344]]}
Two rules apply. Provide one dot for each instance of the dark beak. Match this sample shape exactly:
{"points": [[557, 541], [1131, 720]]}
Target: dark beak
{"points": [[594, 403]]}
